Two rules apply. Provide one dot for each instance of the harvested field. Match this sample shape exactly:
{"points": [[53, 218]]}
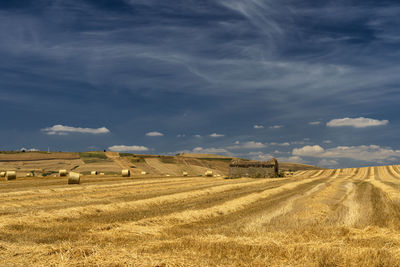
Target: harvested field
{"points": [[343, 217]]}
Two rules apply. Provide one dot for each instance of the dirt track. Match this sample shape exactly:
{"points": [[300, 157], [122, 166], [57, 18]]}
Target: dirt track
{"points": [[347, 217]]}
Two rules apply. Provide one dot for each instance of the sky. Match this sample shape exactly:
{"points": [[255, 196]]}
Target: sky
{"points": [[313, 82]]}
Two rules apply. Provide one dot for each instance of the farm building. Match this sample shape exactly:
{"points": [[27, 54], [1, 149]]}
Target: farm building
{"points": [[252, 168]]}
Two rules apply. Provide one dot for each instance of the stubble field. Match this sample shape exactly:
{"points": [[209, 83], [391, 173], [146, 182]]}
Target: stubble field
{"points": [[344, 217]]}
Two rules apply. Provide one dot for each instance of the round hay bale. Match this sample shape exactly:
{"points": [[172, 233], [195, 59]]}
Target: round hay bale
{"points": [[185, 174], [102, 173], [28, 174], [143, 172], [62, 173], [74, 178], [93, 172], [209, 173], [126, 173], [11, 175], [2, 174]]}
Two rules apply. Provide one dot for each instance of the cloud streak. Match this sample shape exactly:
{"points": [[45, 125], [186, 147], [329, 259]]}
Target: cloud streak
{"points": [[276, 127], [247, 145], [360, 122], [215, 135], [367, 153], [154, 134], [65, 130]]}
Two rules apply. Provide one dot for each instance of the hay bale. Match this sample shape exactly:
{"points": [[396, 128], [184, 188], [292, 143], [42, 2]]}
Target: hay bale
{"points": [[74, 178], [126, 173], [2, 174], [102, 173], [11, 175], [93, 172], [28, 174], [208, 173], [143, 172], [185, 174], [62, 173]]}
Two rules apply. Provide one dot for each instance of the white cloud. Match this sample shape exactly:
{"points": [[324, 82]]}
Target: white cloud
{"points": [[327, 162], [265, 156], [327, 141], [197, 136], [65, 130], [309, 151], [280, 144], [276, 127], [181, 135], [252, 144], [152, 134], [314, 123], [123, 148], [215, 135], [292, 159], [210, 150], [258, 127], [368, 153], [247, 145], [260, 156], [356, 122]]}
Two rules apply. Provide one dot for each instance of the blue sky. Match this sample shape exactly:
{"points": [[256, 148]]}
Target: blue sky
{"points": [[306, 81]]}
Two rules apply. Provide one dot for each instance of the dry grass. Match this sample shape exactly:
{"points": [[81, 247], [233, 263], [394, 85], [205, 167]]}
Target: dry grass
{"points": [[348, 217]]}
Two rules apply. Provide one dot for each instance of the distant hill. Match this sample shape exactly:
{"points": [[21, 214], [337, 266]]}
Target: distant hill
{"points": [[203, 156], [32, 156], [112, 163]]}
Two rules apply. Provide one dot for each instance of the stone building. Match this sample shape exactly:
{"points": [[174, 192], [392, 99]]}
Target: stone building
{"points": [[252, 168]]}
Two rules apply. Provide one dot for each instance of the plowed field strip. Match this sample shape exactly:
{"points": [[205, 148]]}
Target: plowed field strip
{"points": [[386, 175], [393, 172], [321, 206], [132, 194], [108, 220], [62, 187], [243, 219], [53, 182], [75, 212], [300, 173], [284, 207], [376, 207], [384, 186], [396, 170], [190, 216], [132, 190]]}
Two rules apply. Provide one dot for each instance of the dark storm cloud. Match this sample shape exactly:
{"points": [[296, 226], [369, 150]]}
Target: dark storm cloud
{"points": [[192, 66]]}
